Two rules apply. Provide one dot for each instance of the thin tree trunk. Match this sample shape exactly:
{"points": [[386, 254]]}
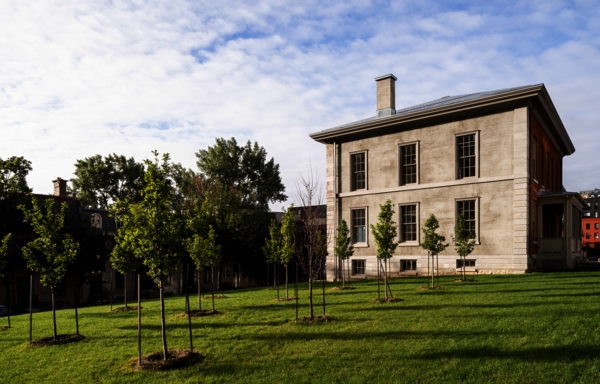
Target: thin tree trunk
{"points": [[385, 277], [343, 277], [378, 278], [139, 308], [212, 285], [76, 317], [287, 295], [427, 267], [53, 314], [310, 296], [274, 275], [30, 308], [162, 321], [6, 285], [296, 291], [464, 269], [437, 269], [432, 272], [199, 293], [187, 303], [125, 289], [323, 280], [111, 288]]}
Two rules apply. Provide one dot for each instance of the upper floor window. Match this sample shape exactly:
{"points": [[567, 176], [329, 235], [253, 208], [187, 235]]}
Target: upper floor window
{"points": [[409, 157], [359, 225], [534, 158], [96, 221], [587, 226], [409, 227], [358, 168], [587, 235], [596, 226], [466, 155], [586, 214], [596, 205]]}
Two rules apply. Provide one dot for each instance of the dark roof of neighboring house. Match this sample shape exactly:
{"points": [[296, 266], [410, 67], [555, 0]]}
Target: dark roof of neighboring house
{"points": [[577, 195], [447, 100]]}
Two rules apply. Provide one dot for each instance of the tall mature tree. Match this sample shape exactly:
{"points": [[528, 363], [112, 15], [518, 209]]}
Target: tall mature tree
{"points": [[100, 181], [53, 249], [344, 249], [156, 237], [464, 241], [205, 252], [288, 242], [433, 242], [312, 238], [238, 183], [13, 173], [384, 233]]}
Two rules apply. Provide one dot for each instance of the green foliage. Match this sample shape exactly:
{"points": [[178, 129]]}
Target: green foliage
{"points": [[205, 252], [245, 169], [344, 249], [152, 229], [385, 232], [13, 173], [433, 242], [272, 247], [288, 234], [464, 240], [101, 181], [4, 253], [123, 257], [53, 249]]}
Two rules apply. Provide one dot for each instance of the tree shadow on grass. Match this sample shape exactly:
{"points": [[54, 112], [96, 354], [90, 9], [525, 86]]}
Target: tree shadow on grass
{"points": [[567, 353], [587, 294], [457, 306]]}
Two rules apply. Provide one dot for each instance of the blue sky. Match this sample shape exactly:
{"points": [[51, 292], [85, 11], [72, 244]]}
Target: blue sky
{"points": [[84, 78]]}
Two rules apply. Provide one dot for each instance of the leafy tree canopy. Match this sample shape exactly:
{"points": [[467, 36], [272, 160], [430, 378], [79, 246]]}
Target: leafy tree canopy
{"points": [[288, 235], [272, 247], [344, 249], [13, 173], [244, 169], [433, 242], [4, 253], [385, 232], [100, 181]]}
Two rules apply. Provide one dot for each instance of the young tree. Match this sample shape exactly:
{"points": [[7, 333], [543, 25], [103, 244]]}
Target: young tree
{"points": [[4, 262], [156, 237], [344, 249], [13, 173], [288, 231], [312, 238], [272, 248], [384, 233], [433, 243], [464, 241], [53, 249], [206, 253], [100, 181]]}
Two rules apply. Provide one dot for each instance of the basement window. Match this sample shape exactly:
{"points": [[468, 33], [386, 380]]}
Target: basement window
{"points": [[468, 263], [358, 267], [408, 265]]}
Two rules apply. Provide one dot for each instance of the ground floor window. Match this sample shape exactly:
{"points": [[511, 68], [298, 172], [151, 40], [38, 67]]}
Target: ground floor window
{"points": [[358, 267], [408, 265], [587, 235], [468, 263]]}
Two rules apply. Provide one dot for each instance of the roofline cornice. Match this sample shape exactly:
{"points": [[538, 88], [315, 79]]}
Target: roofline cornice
{"points": [[536, 91]]}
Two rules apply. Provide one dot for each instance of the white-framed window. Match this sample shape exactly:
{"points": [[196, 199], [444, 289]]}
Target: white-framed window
{"points": [[96, 220], [409, 224], [359, 267], [466, 149], [408, 265], [596, 235], [469, 207], [358, 171], [408, 163], [586, 214], [596, 226], [360, 223]]}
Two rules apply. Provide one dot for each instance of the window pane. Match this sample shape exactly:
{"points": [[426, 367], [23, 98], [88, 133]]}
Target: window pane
{"points": [[467, 208], [408, 164], [358, 171], [466, 156], [360, 226]]}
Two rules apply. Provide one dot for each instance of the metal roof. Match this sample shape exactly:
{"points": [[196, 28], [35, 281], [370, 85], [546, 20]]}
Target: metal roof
{"points": [[447, 100]]}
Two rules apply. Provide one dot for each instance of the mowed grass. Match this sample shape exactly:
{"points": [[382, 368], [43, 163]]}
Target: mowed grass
{"points": [[526, 328]]}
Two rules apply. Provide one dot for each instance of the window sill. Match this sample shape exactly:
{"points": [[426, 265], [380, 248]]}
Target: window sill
{"points": [[361, 245], [409, 244], [468, 269]]}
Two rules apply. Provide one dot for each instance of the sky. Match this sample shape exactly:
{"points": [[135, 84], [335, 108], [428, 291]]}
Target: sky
{"points": [[128, 77]]}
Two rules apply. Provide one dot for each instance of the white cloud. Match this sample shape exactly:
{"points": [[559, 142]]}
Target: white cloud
{"points": [[80, 78]]}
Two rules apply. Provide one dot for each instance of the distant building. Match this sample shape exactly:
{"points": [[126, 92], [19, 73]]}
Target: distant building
{"points": [[590, 236]]}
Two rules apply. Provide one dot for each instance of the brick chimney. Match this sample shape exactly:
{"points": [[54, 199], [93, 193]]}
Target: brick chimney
{"points": [[386, 95], [60, 187]]}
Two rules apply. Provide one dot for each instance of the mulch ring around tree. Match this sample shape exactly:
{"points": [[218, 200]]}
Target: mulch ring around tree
{"points": [[463, 281], [285, 299], [3, 327], [318, 319], [177, 358], [427, 288], [388, 300], [201, 313], [123, 309], [60, 340], [341, 288], [216, 297]]}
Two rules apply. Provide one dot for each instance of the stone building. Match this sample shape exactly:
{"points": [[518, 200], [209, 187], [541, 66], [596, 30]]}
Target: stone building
{"points": [[494, 156]]}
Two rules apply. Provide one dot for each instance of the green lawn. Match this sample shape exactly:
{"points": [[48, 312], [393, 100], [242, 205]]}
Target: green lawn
{"points": [[527, 328]]}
